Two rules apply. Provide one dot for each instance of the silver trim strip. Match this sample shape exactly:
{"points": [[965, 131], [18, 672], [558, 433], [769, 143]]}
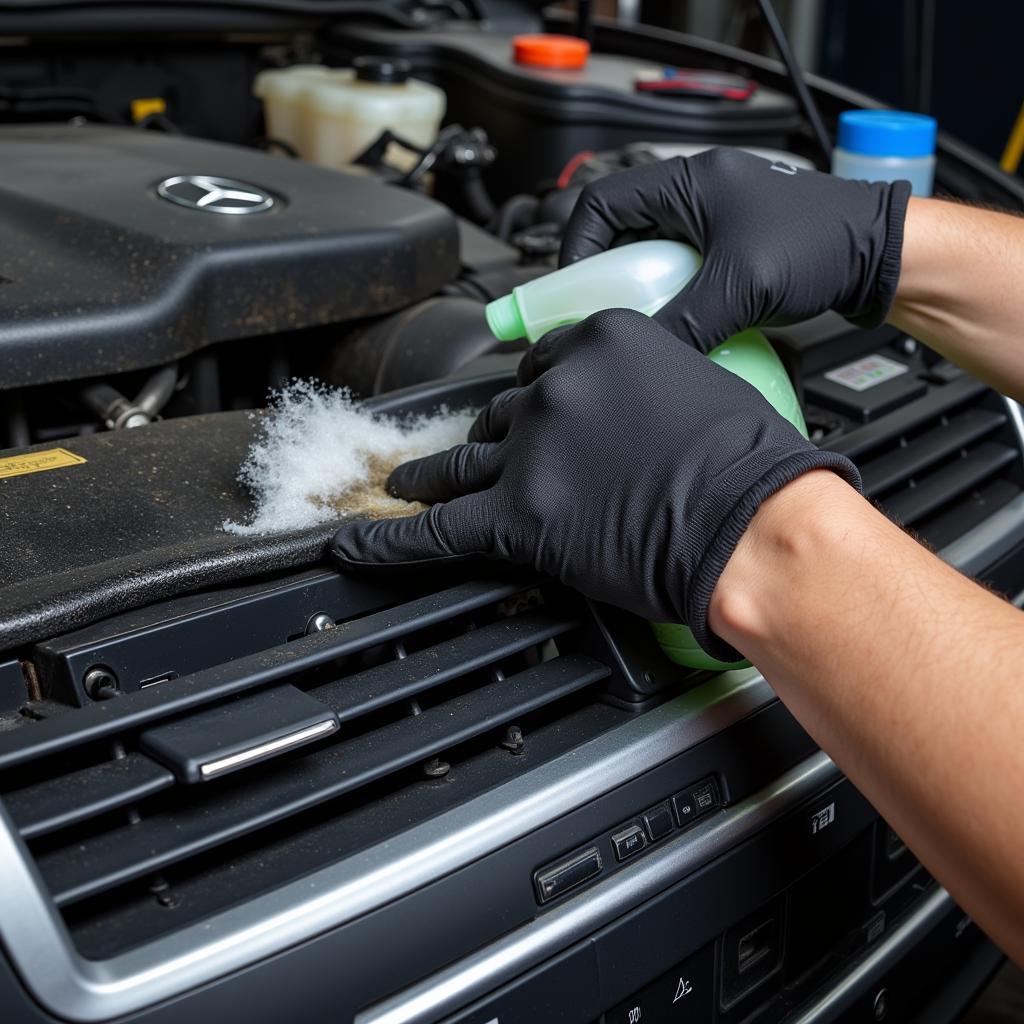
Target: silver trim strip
{"points": [[881, 959], [1016, 414], [70, 986], [484, 971], [222, 765]]}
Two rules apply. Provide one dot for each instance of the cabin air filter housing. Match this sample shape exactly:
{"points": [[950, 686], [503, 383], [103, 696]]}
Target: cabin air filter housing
{"points": [[124, 249]]}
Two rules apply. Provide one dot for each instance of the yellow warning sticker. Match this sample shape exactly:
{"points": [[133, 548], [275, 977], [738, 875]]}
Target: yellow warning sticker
{"points": [[38, 462]]}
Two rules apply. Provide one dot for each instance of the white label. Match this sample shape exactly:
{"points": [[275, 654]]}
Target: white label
{"points": [[822, 819], [866, 373], [684, 988]]}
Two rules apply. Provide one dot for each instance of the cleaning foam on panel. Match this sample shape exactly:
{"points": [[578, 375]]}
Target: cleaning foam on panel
{"points": [[320, 456]]}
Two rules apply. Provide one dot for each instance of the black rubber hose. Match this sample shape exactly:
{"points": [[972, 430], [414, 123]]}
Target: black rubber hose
{"points": [[104, 400], [478, 200], [796, 76], [514, 213]]}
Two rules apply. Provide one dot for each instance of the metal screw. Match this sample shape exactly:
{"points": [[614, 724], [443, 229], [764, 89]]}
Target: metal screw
{"points": [[649, 677], [514, 740], [318, 623], [100, 683], [161, 889], [881, 1006], [435, 768]]}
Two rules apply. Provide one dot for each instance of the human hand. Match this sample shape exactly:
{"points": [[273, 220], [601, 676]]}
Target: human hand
{"points": [[626, 464], [779, 244]]}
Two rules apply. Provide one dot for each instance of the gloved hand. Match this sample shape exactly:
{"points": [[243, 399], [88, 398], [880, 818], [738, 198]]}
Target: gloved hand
{"points": [[627, 465], [779, 244]]}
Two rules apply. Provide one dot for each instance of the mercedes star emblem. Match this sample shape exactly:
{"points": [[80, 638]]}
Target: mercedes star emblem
{"points": [[214, 195]]}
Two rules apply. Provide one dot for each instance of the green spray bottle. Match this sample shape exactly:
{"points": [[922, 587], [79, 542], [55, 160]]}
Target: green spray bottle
{"points": [[642, 276]]}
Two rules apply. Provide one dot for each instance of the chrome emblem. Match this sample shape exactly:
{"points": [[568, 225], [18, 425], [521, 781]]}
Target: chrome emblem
{"points": [[214, 195]]}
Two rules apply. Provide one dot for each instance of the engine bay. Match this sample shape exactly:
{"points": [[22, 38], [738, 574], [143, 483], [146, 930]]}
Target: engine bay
{"points": [[179, 258]]}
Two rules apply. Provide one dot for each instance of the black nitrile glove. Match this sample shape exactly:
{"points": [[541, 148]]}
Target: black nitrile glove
{"points": [[779, 244], [628, 465]]}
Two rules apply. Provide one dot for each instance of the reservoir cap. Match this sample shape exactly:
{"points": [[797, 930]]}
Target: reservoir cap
{"points": [[551, 51], [504, 319], [383, 70], [887, 133]]}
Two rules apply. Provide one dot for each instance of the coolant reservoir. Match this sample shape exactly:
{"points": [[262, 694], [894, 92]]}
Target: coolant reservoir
{"points": [[642, 276], [331, 115]]}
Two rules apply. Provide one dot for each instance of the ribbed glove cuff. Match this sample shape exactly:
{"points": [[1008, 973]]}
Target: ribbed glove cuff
{"points": [[724, 542], [888, 274]]}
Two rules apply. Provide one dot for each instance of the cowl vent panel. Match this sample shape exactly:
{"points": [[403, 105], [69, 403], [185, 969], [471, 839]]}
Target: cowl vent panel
{"points": [[112, 800], [941, 464]]}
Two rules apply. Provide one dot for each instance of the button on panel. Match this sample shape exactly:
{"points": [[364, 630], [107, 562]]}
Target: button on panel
{"points": [[658, 823], [705, 796], [629, 841], [682, 804], [654, 825], [695, 801], [560, 878]]}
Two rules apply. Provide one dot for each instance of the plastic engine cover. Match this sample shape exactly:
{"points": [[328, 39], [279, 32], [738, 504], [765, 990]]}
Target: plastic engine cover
{"points": [[100, 274]]}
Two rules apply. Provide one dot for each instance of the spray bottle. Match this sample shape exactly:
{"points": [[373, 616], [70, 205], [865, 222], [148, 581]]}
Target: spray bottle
{"points": [[642, 276]]}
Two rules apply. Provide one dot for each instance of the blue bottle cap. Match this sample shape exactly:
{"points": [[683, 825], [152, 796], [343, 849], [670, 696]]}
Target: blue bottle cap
{"points": [[887, 133]]}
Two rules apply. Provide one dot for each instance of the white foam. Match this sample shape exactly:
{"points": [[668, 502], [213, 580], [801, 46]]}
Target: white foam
{"points": [[314, 445]]}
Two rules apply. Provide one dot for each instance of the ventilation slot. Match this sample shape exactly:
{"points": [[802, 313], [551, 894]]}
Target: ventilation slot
{"points": [[941, 465], [402, 697]]}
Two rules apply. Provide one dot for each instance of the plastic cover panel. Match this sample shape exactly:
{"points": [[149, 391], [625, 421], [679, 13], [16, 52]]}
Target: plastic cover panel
{"points": [[100, 275], [140, 520]]}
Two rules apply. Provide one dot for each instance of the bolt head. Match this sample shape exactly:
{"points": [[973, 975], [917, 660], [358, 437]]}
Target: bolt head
{"points": [[435, 768], [97, 679], [319, 622]]}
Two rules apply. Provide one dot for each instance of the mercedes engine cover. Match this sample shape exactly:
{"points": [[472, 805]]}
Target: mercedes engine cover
{"points": [[126, 248]]}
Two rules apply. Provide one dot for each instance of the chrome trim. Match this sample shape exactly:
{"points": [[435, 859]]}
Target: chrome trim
{"points": [[482, 972], [223, 765], [1016, 414], [216, 192], [77, 989], [880, 960]]}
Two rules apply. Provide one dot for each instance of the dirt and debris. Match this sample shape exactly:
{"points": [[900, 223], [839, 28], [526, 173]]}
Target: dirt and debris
{"points": [[369, 498], [319, 456]]}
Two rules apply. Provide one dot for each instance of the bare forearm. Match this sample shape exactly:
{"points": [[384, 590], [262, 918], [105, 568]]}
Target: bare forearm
{"points": [[903, 670], [961, 288]]}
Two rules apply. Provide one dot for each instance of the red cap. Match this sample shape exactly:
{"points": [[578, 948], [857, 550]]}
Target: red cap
{"points": [[551, 51]]}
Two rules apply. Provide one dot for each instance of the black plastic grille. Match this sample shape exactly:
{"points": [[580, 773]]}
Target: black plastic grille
{"points": [[942, 464], [415, 687]]}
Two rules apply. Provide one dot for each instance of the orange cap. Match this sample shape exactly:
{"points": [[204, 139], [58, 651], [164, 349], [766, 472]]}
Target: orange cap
{"points": [[551, 51]]}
